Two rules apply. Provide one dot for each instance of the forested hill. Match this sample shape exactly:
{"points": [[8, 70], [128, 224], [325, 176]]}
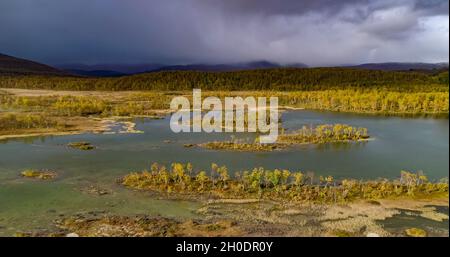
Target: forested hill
{"points": [[10, 65], [282, 79], [262, 79]]}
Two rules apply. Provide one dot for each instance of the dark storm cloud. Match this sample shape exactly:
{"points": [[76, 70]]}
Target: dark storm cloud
{"points": [[284, 7], [325, 7], [317, 32], [98, 30], [432, 7]]}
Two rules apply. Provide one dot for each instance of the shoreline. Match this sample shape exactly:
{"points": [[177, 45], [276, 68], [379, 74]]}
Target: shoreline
{"points": [[254, 218], [102, 126]]}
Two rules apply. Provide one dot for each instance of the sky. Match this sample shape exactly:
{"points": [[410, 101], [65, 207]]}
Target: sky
{"points": [[314, 32]]}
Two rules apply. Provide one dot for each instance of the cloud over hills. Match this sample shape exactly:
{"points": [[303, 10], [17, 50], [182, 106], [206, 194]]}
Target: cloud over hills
{"points": [[315, 32]]}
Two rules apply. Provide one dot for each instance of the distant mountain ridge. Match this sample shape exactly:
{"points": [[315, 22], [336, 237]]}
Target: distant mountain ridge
{"points": [[222, 67], [87, 70], [10, 65], [121, 70], [402, 66], [124, 69], [96, 73]]}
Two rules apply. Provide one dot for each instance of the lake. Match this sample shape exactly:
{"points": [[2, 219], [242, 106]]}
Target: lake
{"points": [[396, 144]]}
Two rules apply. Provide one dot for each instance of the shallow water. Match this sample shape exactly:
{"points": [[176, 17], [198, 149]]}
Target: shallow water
{"points": [[408, 219], [398, 143]]}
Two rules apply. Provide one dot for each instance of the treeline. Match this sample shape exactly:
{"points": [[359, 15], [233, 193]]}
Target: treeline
{"points": [[370, 101], [374, 101], [283, 79]]}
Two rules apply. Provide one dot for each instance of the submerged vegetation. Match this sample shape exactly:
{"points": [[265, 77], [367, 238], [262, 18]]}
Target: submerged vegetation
{"points": [[233, 217], [38, 174], [240, 145], [81, 146], [135, 226], [278, 184], [415, 232]]}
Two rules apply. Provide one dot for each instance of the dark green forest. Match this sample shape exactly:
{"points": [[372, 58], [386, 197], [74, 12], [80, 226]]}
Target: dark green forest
{"points": [[280, 79]]}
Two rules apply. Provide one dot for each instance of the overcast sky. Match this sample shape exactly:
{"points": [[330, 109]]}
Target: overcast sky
{"points": [[315, 32]]}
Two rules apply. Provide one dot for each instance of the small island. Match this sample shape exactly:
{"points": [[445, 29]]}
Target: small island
{"points": [[282, 185], [320, 134]]}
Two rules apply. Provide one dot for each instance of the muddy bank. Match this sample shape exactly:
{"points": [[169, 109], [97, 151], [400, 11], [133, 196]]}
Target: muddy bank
{"points": [[250, 217]]}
